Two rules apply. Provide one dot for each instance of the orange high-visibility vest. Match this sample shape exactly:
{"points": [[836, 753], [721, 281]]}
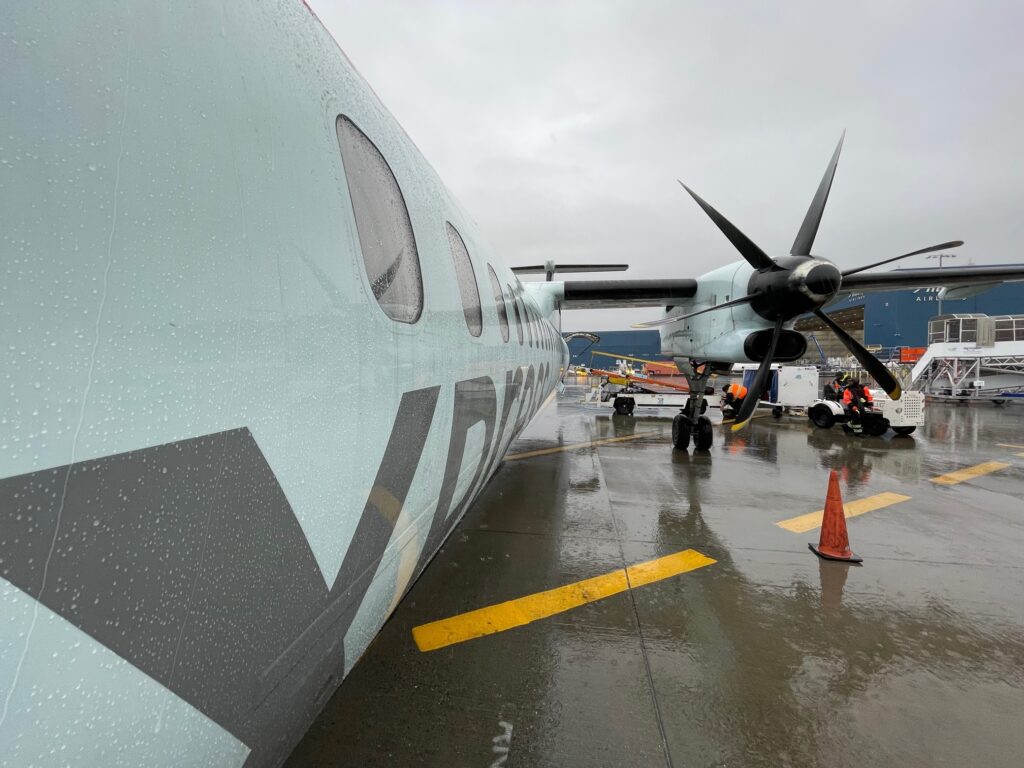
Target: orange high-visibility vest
{"points": [[738, 391], [848, 396]]}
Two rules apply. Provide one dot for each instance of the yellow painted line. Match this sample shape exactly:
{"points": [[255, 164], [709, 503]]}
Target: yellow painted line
{"points": [[574, 446], [812, 520], [1021, 455], [1009, 445], [760, 416], [541, 605], [952, 478]]}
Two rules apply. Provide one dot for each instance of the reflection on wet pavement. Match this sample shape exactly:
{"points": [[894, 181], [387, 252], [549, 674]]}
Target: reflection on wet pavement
{"points": [[768, 657]]}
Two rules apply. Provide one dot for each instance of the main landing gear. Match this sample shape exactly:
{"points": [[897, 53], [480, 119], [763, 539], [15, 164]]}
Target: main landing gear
{"points": [[691, 423]]}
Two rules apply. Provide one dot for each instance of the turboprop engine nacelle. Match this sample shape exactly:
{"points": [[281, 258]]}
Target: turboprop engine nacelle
{"points": [[745, 345]]}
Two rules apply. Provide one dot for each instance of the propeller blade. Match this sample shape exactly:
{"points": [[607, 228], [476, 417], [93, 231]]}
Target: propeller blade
{"points": [[805, 237], [754, 256], [871, 363], [760, 378], [942, 247], [674, 318]]}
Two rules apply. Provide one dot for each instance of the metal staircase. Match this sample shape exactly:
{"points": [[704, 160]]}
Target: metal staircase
{"points": [[972, 358]]}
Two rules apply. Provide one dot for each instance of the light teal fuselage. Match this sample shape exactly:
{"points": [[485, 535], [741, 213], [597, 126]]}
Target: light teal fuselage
{"points": [[221, 463]]}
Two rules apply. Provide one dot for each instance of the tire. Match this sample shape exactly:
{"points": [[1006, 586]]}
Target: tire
{"points": [[624, 406], [681, 427], [821, 416], [777, 412], [703, 406], [705, 434], [875, 427], [903, 430]]}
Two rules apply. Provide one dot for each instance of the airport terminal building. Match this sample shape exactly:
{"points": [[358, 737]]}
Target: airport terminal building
{"points": [[886, 320]]}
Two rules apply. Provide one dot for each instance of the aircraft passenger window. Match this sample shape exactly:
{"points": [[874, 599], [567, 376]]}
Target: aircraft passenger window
{"points": [[519, 319], [499, 303], [529, 320], [385, 231], [466, 276]]}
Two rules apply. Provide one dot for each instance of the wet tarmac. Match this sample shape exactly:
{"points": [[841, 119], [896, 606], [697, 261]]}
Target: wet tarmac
{"points": [[768, 657]]}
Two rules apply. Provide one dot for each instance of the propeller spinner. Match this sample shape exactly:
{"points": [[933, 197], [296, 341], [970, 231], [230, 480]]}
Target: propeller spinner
{"points": [[785, 288]]}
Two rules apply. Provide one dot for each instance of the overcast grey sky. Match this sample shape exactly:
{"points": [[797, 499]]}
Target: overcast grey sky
{"points": [[563, 126]]}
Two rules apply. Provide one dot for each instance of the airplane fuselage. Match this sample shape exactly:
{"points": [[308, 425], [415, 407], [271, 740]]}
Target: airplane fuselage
{"points": [[231, 440]]}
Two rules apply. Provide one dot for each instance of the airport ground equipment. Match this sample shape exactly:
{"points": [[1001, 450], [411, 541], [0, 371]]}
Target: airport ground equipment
{"points": [[789, 387], [651, 367], [625, 392], [903, 416], [972, 358]]}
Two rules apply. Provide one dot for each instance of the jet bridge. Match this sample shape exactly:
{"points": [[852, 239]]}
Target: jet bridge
{"points": [[972, 357]]}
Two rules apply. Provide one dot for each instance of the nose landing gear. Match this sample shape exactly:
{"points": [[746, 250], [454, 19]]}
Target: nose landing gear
{"points": [[690, 423]]}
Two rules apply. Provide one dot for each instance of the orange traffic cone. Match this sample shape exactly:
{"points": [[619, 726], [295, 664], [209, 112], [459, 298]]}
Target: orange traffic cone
{"points": [[834, 544]]}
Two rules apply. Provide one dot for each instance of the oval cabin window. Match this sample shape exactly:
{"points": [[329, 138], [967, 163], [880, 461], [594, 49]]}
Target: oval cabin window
{"points": [[499, 302], [382, 221], [515, 309], [465, 275]]}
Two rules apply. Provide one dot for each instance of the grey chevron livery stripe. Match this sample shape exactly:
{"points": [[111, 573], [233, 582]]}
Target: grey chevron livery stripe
{"points": [[187, 560]]}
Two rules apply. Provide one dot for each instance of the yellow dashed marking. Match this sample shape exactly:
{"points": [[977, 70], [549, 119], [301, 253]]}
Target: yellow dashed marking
{"points": [[812, 520], [574, 446], [952, 478], [1009, 445], [541, 605], [759, 416]]}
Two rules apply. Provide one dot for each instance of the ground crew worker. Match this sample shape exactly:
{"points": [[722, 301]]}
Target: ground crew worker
{"points": [[834, 389], [857, 398], [733, 396]]}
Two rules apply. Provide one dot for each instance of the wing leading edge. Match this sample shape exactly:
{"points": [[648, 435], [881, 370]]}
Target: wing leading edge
{"points": [[931, 278]]}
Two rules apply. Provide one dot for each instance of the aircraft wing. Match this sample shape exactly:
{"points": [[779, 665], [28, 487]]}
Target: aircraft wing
{"points": [[601, 294], [952, 277]]}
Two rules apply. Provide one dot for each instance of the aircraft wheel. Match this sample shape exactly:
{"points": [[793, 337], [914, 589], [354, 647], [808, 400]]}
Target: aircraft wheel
{"points": [[703, 406], [821, 416], [705, 434], [624, 405], [903, 430], [681, 427]]}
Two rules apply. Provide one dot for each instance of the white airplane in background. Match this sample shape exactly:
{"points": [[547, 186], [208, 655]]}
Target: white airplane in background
{"points": [[215, 236]]}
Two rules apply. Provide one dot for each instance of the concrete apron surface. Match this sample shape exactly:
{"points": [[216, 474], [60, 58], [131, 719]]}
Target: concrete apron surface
{"points": [[764, 657]]}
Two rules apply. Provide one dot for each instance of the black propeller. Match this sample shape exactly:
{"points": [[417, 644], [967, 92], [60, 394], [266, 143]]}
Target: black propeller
{"points": [[785, 288], [942, 247], [871, 364], [805, 237], [755, 257]]}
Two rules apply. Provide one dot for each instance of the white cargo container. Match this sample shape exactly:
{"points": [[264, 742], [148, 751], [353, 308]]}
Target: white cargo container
{"points": [[789, 386]]}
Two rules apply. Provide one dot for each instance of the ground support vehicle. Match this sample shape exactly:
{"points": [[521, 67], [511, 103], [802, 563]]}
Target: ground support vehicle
{"points": [[625, 393], [790, 387], [903, 416]]}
